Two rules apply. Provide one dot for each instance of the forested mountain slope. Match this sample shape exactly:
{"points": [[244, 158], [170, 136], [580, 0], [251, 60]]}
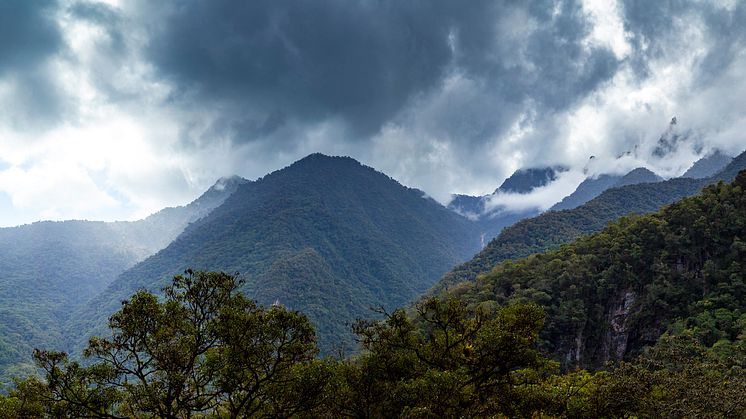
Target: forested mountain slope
{"points": [[610, 294], [326, 236], [48, 269], [554, 228]]}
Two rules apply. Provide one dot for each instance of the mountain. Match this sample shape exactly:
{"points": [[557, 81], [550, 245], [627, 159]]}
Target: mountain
{"points": [[48, 269], [469, 206], [554, 228], [326, 236], [708, 165], [639, 175], [587, 190], [593, 187], [731, 170], [609, 295], [526, 180], [521, 181], [493, 219]]}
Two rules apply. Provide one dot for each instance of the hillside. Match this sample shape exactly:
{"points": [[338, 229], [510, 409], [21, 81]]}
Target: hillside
{"points": [[326, 236], [609, 295], [593, 187], [554, 228], [48, 269], [708, 165]]}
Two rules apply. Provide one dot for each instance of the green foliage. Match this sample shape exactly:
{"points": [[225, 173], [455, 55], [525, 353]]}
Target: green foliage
{"points": [[678, 377], [446, 361], [610, 294], [204, 349]]}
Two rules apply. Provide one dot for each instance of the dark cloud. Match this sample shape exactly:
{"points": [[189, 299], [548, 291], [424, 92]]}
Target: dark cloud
{"points": [[268, 63], [659, 28], [29, 36], [308, 60], [444, 95]]}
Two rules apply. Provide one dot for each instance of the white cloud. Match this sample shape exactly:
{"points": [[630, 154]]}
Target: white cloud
{"points": [[608, 26], [541, 198]]}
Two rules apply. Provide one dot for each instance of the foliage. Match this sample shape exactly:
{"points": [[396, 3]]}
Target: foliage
{"points": [[204, 349], [676, 378], [448, 361]]}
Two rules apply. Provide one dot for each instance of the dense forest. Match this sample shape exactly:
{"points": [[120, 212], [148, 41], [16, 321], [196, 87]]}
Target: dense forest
{"points": [[323, 231]]}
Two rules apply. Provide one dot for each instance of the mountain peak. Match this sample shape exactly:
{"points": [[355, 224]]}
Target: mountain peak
{"points": [[228, 182], [638, 175], [525, 180], [316, 158]]}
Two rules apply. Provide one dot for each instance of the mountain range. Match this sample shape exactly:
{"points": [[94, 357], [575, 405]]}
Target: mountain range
{"points": [[326, 236], [554, 228]]}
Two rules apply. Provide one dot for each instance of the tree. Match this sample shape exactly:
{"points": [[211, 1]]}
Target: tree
{"points": [[205, 349], [444, 360]]}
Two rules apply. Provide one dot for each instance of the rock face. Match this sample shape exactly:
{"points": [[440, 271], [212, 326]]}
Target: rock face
{"points": [[614, 342], [618, 334]]}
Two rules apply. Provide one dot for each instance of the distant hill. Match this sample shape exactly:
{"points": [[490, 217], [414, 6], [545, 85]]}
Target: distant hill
{"points": [[326, 236], [708, 165], [554, 228], [593, 187], [609, 295], [48, 269]]}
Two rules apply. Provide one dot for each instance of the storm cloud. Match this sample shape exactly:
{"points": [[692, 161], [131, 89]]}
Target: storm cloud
{"points": [[447, 96], [269, 63]]}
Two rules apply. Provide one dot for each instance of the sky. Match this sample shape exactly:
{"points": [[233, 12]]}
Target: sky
{"points": [[115, 109]]}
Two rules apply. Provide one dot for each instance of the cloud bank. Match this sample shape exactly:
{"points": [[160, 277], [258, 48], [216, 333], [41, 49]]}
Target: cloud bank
{"points": [[128, 106]]}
